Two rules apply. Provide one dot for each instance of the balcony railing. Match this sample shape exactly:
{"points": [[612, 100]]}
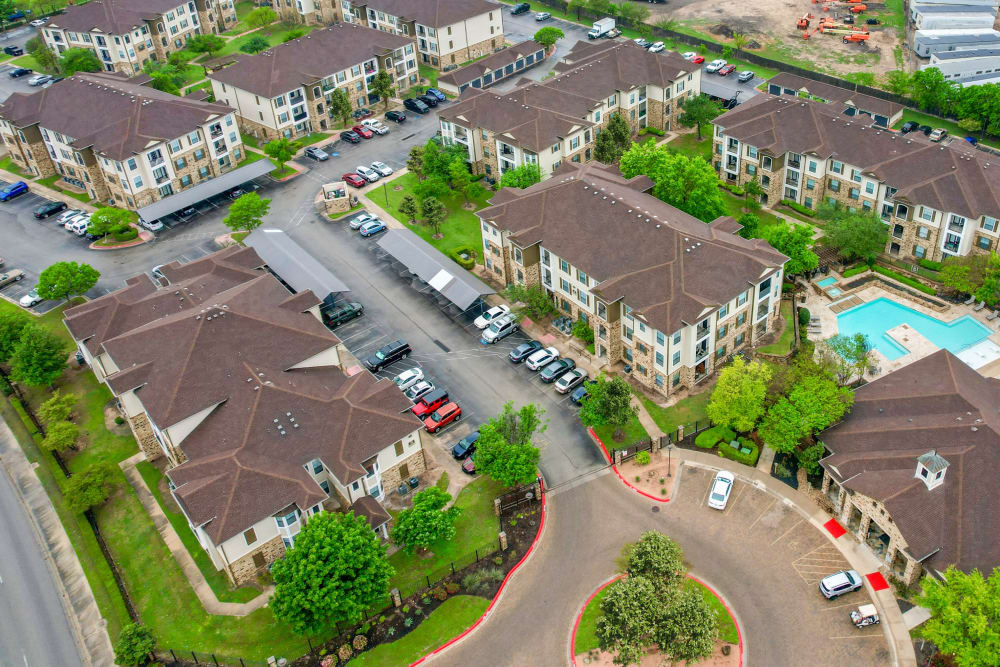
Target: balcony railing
{"points": [[792, 178], [162, 179], [701, 332], [215, 132], [300, 116], [700, 353], [956, 226], [951, 247], [295, 99], [897, 233], [506, 150], [154, 162], [795, 163]]}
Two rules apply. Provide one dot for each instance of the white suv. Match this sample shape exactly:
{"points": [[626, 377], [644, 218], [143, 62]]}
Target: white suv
{"points": [[715, 66], [375, 125]]}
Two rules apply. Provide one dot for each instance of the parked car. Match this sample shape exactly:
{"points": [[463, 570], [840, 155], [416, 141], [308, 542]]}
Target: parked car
{"points": [[52, 79], [571, 379], [13, 50], [556, 369], [381, 168], [726, 70], [430, 402], [644, 43], [71, 222], [722, 486], [345, 312], [48, 208], [542, 358], [926, 129], [360, 219], [580, 392], [387, 354], [446, 414], [484, 320], [688, 55], [367, 173], [436, 94], [419, 389], [80, 227], [30, 299], [71, 213], [745, 75], [317, 154], [715, 65], [938, 134], [469, 465], [362, 131], [656, 47], [8, 192], [408, 378], [151, 225], [841, 583], [972, 140], [12, 276], [350, 137], [524, 350], [18, 72], [355, 180], [499, 329], [395, 116], [520, 8], [543, 16], [909, 126], [465, 447], [375, 125], [415, 105], [39, 79], [429, 100], [697, 60], [372, 228], [358, 114]]}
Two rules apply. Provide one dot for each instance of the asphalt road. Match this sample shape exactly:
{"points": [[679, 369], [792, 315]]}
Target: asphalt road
{"points": [[34, 631], [524, 26], [17, 37]]}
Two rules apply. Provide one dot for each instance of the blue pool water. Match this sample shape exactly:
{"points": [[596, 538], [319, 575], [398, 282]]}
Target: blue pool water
{"points": [[826, 281], [876, 317], [833, 291]]}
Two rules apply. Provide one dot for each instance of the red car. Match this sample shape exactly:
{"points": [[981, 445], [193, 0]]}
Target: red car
{"points": [[698, 59], [728, 69], [355, 180], [368, 134], [446, 414]]}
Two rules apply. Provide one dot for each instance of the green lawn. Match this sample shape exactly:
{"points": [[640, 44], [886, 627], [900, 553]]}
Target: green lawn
{"points": [[28, 60], [784, 344], [11, 166], [460, 228], [284, 172], [274, 34], [215, 578], [243, 8], [313, 138], [689, 144], [204, 85], [686, 411], [239, 236], [446, 622], [725, 623], [429, 73], [52, 182], [633, 433], [476, 529], [586, 632], [250, 140], [952, 127], [249, 157]]}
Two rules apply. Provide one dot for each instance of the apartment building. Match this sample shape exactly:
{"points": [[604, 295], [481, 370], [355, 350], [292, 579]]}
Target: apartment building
{"points": [[234, 381], [557, 121], [285, 91], [124, 36], [850, 102], [122, 143], [447, 32], [938, 201], [665, 294]]}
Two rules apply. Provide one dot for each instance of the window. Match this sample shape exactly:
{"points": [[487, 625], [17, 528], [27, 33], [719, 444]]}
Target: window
{"points": [[738, 340], [250, 536], [677, 338], [923, 232], [812, 166], [835, 185], [564, 285], [518, 257], [741, 299], [855, 175], [582, 277], [723, 311], [983, 242], [175, 146], [659, 359], [919, 251], [676, 379], [989, 224], [131, 164], [180, 163], [751, 151], [751, 169], [138, 181], [193, 138], [203, 172], [660, 338], [836, 167], [628, 354], [199, 154], [741, 318], [869, 187], [721, 333], [564, 265], [854, 193], [317, 466], [765, 163], [721, 352], [185, 181], [676, 358]]}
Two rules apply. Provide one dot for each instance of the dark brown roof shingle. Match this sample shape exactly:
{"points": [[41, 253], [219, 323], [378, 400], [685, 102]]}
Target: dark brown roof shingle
{"points": [[115, 17], [434, 13]]}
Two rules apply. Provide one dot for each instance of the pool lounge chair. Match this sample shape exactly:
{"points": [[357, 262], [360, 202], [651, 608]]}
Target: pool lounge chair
{"points": [[993, 315], [982, 304], [969, 301]]}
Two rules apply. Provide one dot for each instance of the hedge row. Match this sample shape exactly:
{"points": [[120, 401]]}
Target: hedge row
{"points": [[652, 130], [855, 271], [470, 263], [728, 452], [735, 189], [799, 208], [930, 265], [906, 280], [804, 316], [126, 235], [710, 437]]}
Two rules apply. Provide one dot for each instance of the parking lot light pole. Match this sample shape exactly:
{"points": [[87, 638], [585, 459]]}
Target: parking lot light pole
{"points": [[385, 191], [670, 448]]}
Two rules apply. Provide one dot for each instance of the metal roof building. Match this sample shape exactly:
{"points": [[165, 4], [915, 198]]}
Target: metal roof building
{"points": [[199, 193], [294, 265]]}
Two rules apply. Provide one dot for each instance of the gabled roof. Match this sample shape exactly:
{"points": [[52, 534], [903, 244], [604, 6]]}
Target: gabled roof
{"points": [[490, 63], [131, 117], [952, 178], [937, 403], [664, 263], [433, 13], [596, 69], [114, 17], [308, 59], [829, 92]]}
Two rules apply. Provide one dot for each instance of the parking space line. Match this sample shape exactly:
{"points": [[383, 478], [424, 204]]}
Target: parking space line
{"points": [[763, 512], [872, 636], [739, 494], [794, 526]]}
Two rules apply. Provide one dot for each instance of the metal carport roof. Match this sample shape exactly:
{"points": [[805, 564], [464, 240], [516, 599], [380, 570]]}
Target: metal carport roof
{"points": [[293, 263], [448, 278], [202, 191]]}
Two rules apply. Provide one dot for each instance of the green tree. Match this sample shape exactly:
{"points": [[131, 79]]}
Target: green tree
{"points": [[504, 451], [750, 225], [968, 273], [738, 397], [433, 213], [980, 104], [255, 44], [859, 235], [39, 357], [91, 487], [409, 207], [752, 192], [108, 220], [281, 151], [620, 132], [898, 82], [608, 402], [629, 613], [965, 616], [336, 570], [548, 36], [247, 212], [795, 242], [781, 428], [340, 105], [667, 25], [535, 303], [61, 436], [698, 110], [166, 77], [812, 404], [135, 643], [208, 44], [78, 60], [687, 183], [382, 86], [605, 150], [427, 522], [521, 177], [46, 58], [932, 91], [59, 407], [12, 323], [633, 14], [740, 40], [433, 186], [292, 34], [7, 7], [856, 352], [687, 628], [260, 17], [459, 175], [415, 161], [658, 559], [576, 6], [473, 191], [64, 280]]}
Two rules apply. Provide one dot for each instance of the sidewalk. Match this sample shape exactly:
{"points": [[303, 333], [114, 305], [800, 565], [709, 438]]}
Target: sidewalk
{"points": [[194, 576], [47, 192], [89, 628]]}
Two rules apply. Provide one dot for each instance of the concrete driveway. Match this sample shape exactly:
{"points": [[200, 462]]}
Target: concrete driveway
{"points": [[524, 26]]}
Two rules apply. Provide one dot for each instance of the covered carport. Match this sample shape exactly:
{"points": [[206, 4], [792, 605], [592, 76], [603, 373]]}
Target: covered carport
{"points": [[455, 290], [203, 197], [294, 266]]}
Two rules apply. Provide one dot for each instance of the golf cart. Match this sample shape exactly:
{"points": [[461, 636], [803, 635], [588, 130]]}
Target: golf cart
{"points": [[865, 614]]}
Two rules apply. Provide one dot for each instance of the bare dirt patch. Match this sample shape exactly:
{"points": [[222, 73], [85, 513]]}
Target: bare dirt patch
{"points": [[654, 659]]}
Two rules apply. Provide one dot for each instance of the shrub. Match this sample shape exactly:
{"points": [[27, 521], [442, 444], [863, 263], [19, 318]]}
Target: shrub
{"points": [[663, 492], [906, 280], [476, 177], [119, 420], [735, 189], [482, 580], [451, 587], [787, 287], [652, 130], [663, 480], [642, 458], [360, 642], [498, 560], [345, 652], [799, 208], [125, 235], [381, 619], [930, 264], [408, 622], [5, 387], [468, 264], [709, 437], [728, 452], [583, 331], [855, 271], [406, 609], [440, 594], [804, 316]]}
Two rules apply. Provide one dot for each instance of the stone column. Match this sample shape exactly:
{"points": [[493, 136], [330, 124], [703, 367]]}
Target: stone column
{"points": [[503, 540], [618, 457], [656, 445], [680, 432], [396, 599], [826, 482], [538, 489], [496, 506], [866, 522]]}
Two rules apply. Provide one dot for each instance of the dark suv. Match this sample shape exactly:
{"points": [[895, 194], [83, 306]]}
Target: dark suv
{"points": [[429, 100], [522, 8], [415, 105], [13, 50], [345, 312], [394, 351]]}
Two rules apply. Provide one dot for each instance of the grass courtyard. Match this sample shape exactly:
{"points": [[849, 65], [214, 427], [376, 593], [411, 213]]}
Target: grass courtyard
{"points": [[274, 34], [683, 413], [784, 343]]}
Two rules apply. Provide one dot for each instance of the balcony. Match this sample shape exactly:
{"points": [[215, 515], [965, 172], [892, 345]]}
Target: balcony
{"points": [[700, 352], [156, 161], [215, 131], [295, 99], [731, 162], [506, 150], [795, 163], [300, 116], [792, 178], [162, 178], [701, 331], [951, 247], [370, 69], [956, 226]]}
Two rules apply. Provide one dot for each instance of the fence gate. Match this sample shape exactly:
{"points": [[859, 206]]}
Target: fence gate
{"points": [[628, 453]]}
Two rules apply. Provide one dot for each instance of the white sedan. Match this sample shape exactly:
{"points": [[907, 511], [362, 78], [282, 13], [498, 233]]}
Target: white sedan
{"points": [[408, 378], [688, 55], [722, 486], [367, 173], [657, 47], [382, 168], [715, 66], [570, 380], [542, 358], [64, 218], [484, 320], [375, 125]]}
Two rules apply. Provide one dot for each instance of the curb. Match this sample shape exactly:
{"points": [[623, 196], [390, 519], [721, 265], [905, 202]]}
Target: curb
{"points": [[496, 598], [615, 468]]}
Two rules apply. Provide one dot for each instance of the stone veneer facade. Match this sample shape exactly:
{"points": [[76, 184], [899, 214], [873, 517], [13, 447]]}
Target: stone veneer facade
{"points": [[245, 570]]}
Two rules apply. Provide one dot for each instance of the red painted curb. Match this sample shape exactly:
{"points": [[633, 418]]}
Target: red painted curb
{"points": [[579, 616], [615, 468], [496, 597]]}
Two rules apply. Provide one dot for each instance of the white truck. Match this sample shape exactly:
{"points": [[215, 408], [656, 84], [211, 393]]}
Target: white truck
{"points": [[601, 28]]}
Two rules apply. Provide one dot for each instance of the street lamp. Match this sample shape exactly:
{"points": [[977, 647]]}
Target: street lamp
{"points": [[385, 191], [670, 448]]}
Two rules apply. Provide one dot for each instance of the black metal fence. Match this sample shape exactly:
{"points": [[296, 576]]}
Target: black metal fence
{"points": [[690, 431], [522, 495], [630, 452]]}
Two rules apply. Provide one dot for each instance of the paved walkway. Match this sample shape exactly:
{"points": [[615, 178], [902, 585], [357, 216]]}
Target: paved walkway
{"points": [[180, 553], [47, 192], [916, 616]]}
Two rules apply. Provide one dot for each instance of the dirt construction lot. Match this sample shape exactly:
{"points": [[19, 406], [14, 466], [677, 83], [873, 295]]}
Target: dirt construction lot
{"points": [[772, 24]]}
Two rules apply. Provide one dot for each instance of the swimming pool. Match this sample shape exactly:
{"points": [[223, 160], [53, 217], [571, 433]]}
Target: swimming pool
{"points": [[876, 317], [834, 292], [826, 281]]}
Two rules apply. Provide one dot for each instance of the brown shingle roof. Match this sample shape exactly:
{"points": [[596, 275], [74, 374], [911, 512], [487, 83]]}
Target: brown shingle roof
{"points": [[936, 403], [111, 16], [308, 59], [842, 96], [948, 178], [663, 262], [597, 69], [124, 118], [508, 56], [433, 13]]}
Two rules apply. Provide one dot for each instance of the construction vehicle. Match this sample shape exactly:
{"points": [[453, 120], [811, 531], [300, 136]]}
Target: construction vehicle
{"points": [[856, 37], [803, 23]]}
